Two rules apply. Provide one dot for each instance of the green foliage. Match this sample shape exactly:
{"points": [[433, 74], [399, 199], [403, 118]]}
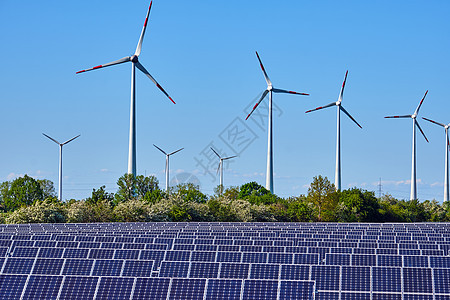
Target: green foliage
{"points": [[135, 187], [356, 205], [42, 211], [256, 194], [83, 212], [322, 194], [100, 195], [132, 211], [22, 191], [299, 210], [188, 192]]}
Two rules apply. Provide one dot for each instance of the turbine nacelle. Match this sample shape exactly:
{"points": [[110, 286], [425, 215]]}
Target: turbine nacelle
{"points": [[134, 58]]}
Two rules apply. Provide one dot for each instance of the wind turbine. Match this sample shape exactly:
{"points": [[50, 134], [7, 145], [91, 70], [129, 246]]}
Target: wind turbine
{"points": [[167, 164], [220, 167], [447, 144], [413, 195], [134, 64], [337, 175], [270, 89], [60, 162]]}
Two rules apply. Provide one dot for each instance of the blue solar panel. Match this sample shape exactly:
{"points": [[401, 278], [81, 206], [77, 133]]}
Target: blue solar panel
{"points": [[355, 278], [264, 271], [254, 257], [386, 279], [151, 288], [260, 289], [174, 269], [417, 297], [76, 287], [11, 286], [78, 267], [25, 252], [203, 256], [138, 268], [101, 253], [18, 265], [296, 290], [103, 267], [306, 259], [116, 288], [204, 270], [385, 296], [337, 259], [126, 254], [389, 261], [294, 272], [326, 277], [178, 255], [442, 281], [48, 266], [280, 258], [183, 289], [224, 289], [42, 287], [415, 261], [363, 260], [417, 280], [230, 270]]}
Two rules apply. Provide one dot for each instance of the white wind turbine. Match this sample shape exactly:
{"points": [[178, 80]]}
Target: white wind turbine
{"points": [[270, 89], [447, 144], [134, 64], [413, 195], [60, 162], [167, 164], [220, 167], [337, 175]]}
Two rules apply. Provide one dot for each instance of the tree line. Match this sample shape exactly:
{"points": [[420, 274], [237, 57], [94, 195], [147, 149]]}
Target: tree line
{"points": [[139, 199]]}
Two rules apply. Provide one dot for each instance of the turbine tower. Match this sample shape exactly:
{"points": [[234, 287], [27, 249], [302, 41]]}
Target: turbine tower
{"points": [[447, 144], [413, 194], [167, 164], [220, 167], [134, 64], [60, 162], [270, 89], [338, 104]]}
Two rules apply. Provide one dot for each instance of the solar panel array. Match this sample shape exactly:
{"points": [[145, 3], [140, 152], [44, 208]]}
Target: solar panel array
{"points": [[225, 261]]}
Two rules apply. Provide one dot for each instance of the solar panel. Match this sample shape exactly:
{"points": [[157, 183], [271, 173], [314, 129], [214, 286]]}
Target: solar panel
{"points": [[296, 290], [417, 280], [226, 289], [116, 288], [104, 267], [294, 272], [442, 280], [326, 277], [231, 270], [337, 259], [386, 279], [260, 289], [251, 257], [174, 269], [48, 266], [204, 270], [77, 287], [18, 265], [417, 297], [25, 252], [78, 267], [415, 261], [264, 271], [138, 268], [386, 296], [151, 288], [182, 289], [177, 255], [42, 287], [11, 286], [203, 256]]}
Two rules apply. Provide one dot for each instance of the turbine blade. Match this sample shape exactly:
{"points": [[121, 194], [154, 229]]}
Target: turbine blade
{"points": [[448, 143], [141, 67], [437, 123], [420, 104], [66, 142], [141, 38], [116, 62], [288, 92], [176, 151], [321, 107], [215, 152], [348, 114], [160, 149], [229, 157], [264, 70], [52, 139], [417, 123], [403, 116], [264, 94], [341, 94]]}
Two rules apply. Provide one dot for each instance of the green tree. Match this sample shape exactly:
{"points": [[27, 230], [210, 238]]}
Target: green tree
{"points": [[47, 187], [188, 192], [256, 194], [135, 187], [100, 195], [21, 191], [357, 205], [322, 194]]}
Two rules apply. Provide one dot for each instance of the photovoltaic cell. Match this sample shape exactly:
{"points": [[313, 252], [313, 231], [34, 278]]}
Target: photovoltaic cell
{"points": [[174, 269], [355, 278], [204, 270], [76, 287], [104, 267], [116, 288], [326, 277], [183, 289], [78, 267], [354, 296], [48, 266], [151, 288], [11, 286], [138, 268], [238, 271], [296, 290], [264, 271], [224, 289], [417, 280], [42, 287], [295, 272], [442, 281], [254, 257], [18, 265], [386, 296], [260, 289], [75, 253]]}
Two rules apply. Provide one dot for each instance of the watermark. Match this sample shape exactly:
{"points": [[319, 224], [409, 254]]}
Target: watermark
{"points": [[236, 137], [183, 178]]}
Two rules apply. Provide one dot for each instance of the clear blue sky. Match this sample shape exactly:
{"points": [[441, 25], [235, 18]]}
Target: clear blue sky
{"points": [[203, 54]]}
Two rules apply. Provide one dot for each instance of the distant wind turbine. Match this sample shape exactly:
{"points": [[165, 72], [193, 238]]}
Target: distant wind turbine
{"points": [[134, 63], [413, 195], [220, 167], [167, 164], [337, 176], [60, 162], [270, 89], [447, 144]]}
